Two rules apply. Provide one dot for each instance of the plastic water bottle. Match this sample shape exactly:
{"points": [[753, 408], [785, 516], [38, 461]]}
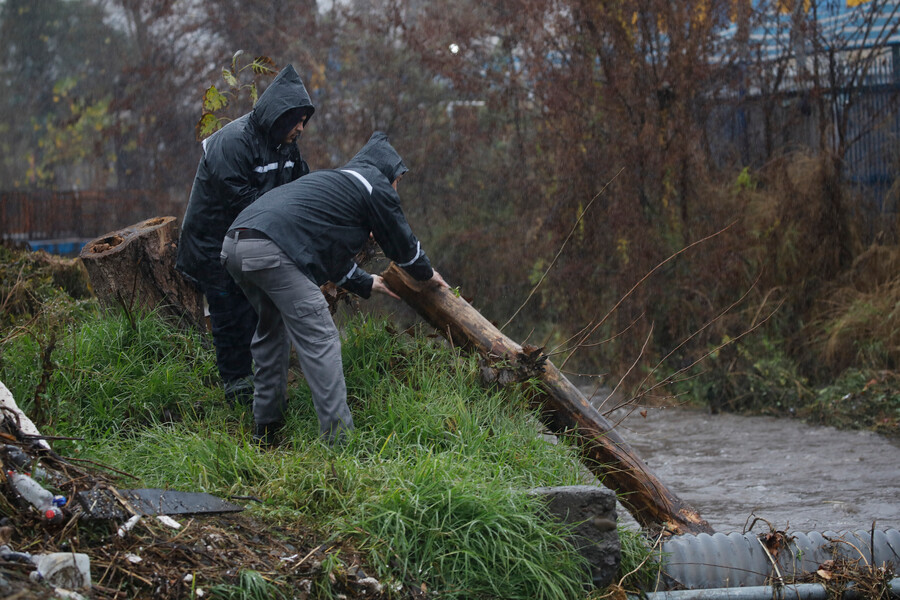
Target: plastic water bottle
{"points": [[36, 495], [22, 462]]}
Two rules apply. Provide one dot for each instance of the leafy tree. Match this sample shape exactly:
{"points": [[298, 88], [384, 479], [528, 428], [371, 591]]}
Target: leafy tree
{"points": [[238, 97], [57, 58]]}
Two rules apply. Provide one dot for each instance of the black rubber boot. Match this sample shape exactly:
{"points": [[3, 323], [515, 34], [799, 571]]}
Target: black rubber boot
{"points": [[268, 435]]}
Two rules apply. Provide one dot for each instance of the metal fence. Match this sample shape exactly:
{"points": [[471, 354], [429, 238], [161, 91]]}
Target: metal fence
{"points": [[872, 160], [752, 129], [79, 215]]}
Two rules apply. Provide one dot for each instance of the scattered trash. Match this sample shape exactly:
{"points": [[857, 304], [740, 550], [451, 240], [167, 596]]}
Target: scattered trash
{"points": [[128, 525], [25, 425], [370, 585], [168, 521], [7, 554], [39, 497], [100, 503], [24, 463], [63, 594], [69, 570], [214, 548]]}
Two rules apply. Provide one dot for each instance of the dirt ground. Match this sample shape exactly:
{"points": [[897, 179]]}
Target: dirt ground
{"points": [[201, 558]]}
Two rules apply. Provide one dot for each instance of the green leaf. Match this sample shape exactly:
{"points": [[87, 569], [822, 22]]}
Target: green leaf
{"points": [[214, 100], [207, 125], [229, 78]]}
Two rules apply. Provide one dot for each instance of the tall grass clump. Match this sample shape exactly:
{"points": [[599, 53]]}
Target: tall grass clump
{"points": [[101, 372], [251, 585], [204, 454], [857, 324], [469, 537], [641, 560], [431, 486]]}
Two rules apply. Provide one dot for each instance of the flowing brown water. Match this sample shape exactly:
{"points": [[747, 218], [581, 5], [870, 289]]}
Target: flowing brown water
{"points": [[798, 477]]}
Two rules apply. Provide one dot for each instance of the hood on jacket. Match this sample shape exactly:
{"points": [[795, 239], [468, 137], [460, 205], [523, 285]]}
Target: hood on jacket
{"points": [[379, 153], [285, 93]]}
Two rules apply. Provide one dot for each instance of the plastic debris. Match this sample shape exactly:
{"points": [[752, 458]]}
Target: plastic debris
{"points": [[100, 503], [169, 521], [128, 525], [10, 555], [23, 463], [69, 570], [35, 494]]}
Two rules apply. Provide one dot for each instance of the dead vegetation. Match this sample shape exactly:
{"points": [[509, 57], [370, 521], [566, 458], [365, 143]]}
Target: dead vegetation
{"points": [[213, 555], [27, 277], [841, 574], [847, 569]]}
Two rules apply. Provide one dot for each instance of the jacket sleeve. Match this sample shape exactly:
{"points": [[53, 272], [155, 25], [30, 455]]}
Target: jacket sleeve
{"points": [[393, 234], [357, 281]]}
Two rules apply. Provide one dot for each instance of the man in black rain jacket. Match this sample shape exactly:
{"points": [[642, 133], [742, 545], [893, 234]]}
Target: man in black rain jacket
{"points": [[242, 161], [298, 237]]}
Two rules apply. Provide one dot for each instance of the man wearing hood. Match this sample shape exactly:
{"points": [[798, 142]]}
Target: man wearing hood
{"points": [[293, 240], [245, 159]]}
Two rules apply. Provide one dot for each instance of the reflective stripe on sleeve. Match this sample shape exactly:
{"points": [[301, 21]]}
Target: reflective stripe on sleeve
{"points": [[348, 275], [414, 258], [266, 168], [272, 166]]}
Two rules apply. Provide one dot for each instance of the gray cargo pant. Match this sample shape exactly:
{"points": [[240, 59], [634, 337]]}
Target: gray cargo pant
{"points": [[291, 309]]}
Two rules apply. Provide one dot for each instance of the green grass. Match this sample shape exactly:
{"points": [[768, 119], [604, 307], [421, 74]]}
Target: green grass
{"points": [[250, 586], [430, 486], [859, 399], [106, 376]]}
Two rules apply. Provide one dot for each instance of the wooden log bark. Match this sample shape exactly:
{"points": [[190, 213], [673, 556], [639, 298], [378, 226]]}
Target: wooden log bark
{"points": [[133, 269], [562, 407]]}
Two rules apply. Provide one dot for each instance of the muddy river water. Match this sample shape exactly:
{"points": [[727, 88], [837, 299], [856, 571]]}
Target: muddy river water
{"points": [[797, 477]]}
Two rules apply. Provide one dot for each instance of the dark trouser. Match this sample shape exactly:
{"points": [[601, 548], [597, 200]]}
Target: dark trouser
{"points": [[233, 321]]}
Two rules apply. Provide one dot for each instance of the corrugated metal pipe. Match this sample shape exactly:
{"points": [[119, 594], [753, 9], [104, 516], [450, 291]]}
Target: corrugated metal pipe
{"points": [[799, 591], [750, 565]]}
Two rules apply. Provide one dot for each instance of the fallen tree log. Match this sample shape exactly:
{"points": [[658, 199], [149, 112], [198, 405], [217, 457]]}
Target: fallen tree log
{"points": [[562, 407], [133, 269]]}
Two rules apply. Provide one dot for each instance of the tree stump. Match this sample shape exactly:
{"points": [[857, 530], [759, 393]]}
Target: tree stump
{"points": [[133, 269]]}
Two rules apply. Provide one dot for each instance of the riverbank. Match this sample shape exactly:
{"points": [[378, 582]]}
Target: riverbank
{"points": [[429, 495]]}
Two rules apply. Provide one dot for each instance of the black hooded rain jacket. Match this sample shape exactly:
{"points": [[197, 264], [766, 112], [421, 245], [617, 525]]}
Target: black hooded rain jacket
{"points": [[241, 161], [323, 220]]}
